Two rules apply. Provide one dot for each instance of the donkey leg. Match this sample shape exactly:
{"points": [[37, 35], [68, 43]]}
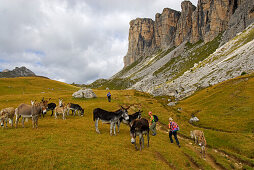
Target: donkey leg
{"points": [[96, 125], [148, 139], [111, 127], [36, 122], [12, 122], [118, 125], [140, 142], [143, 142], [114, 128], [23, 120], [6, 126]]}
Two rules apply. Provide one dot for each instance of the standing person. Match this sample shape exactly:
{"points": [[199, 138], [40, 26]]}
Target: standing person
{"points": [[109, 97], [152, 124], [173, 128]]}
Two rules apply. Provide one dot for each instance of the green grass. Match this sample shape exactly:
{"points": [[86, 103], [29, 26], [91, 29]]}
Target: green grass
{"points": [[226, 112], [74, 144]]}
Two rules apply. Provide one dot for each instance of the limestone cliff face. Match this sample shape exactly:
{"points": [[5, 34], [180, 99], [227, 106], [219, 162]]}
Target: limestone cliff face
{"points": [[184, 24], [171, 28], [211, 18], [165, 27], [141, 39], [241, 18]]}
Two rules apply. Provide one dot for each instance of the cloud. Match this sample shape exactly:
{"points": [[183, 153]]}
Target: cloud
{"points": [[70, 40]]}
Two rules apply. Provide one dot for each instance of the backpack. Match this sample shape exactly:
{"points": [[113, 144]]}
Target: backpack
{"points": [[156, 119], [174, 127]]}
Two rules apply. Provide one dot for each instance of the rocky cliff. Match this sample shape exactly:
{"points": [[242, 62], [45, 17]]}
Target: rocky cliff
{"points": [[17, 72], [171, 28], [209, 44]]}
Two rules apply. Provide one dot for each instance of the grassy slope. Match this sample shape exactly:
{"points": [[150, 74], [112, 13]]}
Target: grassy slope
{"points": [[73, 143], [226, 113]]}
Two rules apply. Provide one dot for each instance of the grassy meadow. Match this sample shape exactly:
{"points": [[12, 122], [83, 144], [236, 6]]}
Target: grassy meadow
{"points": [[74, 144]]}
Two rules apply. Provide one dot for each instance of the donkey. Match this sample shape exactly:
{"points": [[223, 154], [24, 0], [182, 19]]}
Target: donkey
{"points": [[5, 114], [139, 127], [46, 104], [74, 108], [199, 138], [109, 117], [132, 117], [196, 135], [51, 106], [61, 109], [28, 111], [202, 144]]}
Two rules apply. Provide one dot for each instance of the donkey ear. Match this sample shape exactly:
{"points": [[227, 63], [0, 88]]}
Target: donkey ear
{"points": [[49, 99]]}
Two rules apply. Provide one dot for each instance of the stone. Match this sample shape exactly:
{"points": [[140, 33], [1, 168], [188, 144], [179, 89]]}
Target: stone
{"points": [[172, 104], [84, 93], [193, 119]]}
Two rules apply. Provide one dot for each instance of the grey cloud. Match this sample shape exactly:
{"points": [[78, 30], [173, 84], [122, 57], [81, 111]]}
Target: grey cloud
{"points": [[70, 40]]}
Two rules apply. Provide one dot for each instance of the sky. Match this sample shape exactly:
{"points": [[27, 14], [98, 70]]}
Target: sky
{"points": [[71, 40]]}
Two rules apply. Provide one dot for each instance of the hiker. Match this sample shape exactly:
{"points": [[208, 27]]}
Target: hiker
{"points": [[173, 128], [109, 97], [152, 124]]}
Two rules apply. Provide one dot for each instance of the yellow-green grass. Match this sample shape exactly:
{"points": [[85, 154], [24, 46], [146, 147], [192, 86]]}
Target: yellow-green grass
{"points": [[73, 143], [226, 114]]}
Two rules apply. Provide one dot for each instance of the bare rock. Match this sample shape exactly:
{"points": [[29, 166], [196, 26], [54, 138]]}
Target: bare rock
{"points": [[193, 119], [84, 93]]}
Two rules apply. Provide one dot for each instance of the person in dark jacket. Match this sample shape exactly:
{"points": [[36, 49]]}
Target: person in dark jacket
{"points": [[109, 97]]}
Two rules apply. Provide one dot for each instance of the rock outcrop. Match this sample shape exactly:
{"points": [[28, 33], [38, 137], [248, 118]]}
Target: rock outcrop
{"points": [[184, 24], [84, 93], [17, 72], [171, 28], [141, 39], [241, 18], [165, 27]]}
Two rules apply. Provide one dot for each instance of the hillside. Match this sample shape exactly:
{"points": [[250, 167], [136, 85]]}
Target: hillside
{"points": [[73, 143]]}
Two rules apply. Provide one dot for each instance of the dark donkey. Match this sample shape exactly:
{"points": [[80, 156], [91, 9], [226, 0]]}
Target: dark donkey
{"points": [[132, 117], [139, 127], [109, 117], [51, 106]]}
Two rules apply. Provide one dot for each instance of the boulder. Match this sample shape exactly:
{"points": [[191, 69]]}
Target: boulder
{"points": [[84, 93], [193, 119], [172, 104]]}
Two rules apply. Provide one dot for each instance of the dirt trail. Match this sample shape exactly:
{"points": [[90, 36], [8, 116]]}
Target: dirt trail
{"points": [[210, 160]]}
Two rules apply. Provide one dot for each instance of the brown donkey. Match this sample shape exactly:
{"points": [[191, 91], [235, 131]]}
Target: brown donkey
{"points": [[5, 114], [28, 111]]}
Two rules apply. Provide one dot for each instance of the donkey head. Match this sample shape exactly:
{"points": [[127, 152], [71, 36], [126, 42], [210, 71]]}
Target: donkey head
{"points": [[60, 102], [139, 114], [125, 113], [33, 102]]}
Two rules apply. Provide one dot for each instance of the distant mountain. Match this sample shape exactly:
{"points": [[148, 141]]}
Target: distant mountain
{"points": [[17, 72]]}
